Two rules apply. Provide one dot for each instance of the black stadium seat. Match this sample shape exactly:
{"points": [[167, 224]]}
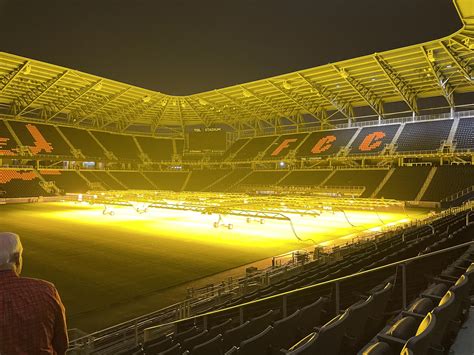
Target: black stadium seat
{"points": [[235, 335], [199, 338], [464, 139], [174, 350], [378, 348], [259, 323], [188, 333], [159, 345], [212, 346], [221, 327], [327, 341], [372, 140], [258, 344], [285, 331], [355, 324], [310, 316], [423, 136], [421, 342]]}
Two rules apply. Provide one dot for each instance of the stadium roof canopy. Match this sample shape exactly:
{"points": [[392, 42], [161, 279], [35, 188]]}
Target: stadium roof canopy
{"points": [[35, 90]]}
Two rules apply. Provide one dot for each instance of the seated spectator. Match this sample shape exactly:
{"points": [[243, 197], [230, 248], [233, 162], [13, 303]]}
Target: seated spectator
{"points": [[32, 316]]}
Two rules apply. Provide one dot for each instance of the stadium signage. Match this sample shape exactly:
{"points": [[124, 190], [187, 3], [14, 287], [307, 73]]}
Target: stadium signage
{"points": [[369, 143]]}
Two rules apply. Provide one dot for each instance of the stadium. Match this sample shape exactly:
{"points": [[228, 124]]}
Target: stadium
{"points": [[323, 211]]}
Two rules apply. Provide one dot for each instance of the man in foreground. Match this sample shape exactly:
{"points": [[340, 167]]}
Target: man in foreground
{"points": [[32, 316]]}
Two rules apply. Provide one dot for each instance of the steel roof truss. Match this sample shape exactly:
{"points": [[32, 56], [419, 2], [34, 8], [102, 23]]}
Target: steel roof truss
{"points": [[59, 105], [298, 100], [364, 92], [242, 105], [462, 64], [405, 90], [156, 120], [340, 104], [197, 113], [8, 78], [21, 103], [441, 79], [88, 111], [267, 102]]}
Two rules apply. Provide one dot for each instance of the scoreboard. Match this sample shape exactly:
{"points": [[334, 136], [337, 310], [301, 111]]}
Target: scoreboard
{"points": [[207, 139]]}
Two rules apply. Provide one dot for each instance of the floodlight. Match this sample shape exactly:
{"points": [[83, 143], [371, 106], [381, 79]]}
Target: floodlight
{"points": [[27, 69], [246, 93], [431, 57], [286, 85]]}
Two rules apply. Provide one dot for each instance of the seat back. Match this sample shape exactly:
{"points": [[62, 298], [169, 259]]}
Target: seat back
{"points": [[158, 346], [220, 328], [358, 315], [235, 335], [461, 291], [310, 316], [378, 348], [285, 331], [421, 342], [199, 338], [258, 344], [179, 337], [444, 313], [380, 302], [470, 275], [174, 350], [212, 346], [329, 339], [232, 351], [260, 323]]}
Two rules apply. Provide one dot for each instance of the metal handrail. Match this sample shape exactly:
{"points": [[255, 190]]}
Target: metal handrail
{"points": [[458, 194]]}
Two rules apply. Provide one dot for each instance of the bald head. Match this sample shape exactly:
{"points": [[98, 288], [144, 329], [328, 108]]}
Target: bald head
{"points": [[10, 251]]}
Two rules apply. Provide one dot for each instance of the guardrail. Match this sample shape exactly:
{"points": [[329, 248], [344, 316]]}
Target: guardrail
{"points": [[458, 194]]}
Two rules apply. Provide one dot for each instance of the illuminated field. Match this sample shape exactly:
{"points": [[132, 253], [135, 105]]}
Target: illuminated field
{"points": [[100, 261]]}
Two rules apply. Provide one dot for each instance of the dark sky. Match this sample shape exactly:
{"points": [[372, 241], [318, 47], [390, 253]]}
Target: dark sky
{"points": [[183, 47]]}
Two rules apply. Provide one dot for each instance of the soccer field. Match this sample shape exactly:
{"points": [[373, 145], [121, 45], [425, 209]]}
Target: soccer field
{"points": [[111, 268]]}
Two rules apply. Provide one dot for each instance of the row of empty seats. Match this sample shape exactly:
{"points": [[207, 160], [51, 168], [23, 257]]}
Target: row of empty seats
{"points": [[20, 183], [402, 183], [65, 142], [431, 322]]}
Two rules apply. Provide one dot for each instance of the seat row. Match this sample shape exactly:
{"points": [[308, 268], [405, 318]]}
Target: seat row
{"points": [[430, 323]]}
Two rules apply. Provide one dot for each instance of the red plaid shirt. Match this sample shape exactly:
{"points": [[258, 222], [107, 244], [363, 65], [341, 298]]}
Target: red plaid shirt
{"points": [[32, 317]]}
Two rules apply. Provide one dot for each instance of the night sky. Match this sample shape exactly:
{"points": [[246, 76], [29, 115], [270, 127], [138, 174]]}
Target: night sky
{"points": [[183, 47]]}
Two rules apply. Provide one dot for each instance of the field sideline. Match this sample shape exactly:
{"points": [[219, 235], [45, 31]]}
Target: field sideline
{"points": [[111, 268]]}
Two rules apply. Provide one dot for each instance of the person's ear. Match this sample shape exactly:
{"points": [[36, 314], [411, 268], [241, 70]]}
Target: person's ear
{"points": [[16, 259]]}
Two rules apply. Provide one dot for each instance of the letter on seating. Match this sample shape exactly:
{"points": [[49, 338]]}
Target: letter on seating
{"points": [[371, 141], [40, 142], [323, 144], [283, 145]]}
